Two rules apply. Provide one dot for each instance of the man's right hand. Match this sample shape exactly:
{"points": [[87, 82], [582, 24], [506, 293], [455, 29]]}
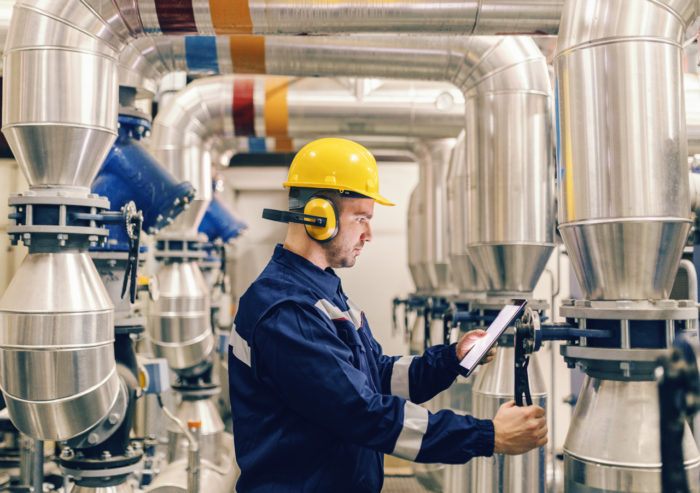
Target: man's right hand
{"points": [[519, 429]]}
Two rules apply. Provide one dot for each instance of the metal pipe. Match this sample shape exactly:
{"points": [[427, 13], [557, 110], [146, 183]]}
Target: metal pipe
{"points": [[613, 190]]}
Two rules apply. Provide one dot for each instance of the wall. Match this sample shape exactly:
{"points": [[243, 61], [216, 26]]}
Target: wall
{"points": [[11, 181]]}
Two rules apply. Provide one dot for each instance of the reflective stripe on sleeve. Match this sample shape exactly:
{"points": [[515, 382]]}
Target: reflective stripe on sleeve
{"points": [[399, 377], [241, 349], [415, 424]]}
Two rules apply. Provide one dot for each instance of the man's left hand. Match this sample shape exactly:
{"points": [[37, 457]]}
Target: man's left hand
{"points": [[468, 341]]}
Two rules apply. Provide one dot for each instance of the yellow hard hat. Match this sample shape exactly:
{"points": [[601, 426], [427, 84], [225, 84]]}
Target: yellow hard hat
{"points": [[337, 164]]}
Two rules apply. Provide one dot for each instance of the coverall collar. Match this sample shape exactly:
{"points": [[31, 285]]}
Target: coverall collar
{"points": [[326, 279]]}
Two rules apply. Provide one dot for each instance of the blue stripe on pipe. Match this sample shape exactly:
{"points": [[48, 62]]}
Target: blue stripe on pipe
{"points": [[201, 55], [257, 144]]}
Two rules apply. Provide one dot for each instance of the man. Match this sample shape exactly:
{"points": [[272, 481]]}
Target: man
{"points": [[315, 403]]}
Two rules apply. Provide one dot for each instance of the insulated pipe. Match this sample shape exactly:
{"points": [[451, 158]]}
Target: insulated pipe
{"points": [[320, 16], [624, 208], [432, 239]]}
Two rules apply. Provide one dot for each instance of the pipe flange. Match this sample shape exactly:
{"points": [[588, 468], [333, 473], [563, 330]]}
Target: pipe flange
{"points": [[108, 471], [180, 247], [197, 392], [498, 302], [106, 427], [57, 218], [614, 363], [630, 310]]}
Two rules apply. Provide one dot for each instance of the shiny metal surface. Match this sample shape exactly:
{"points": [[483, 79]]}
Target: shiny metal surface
{"points": [[613, 444], [469, 17], [463, 271], [629, 258], [59, 127], [125, 487], [213, 478], [178, 320], [433, 160], [623, 146], [414, 234], [371, 107], [493, 387], [56, 332], [210, 434], [510, 188]]}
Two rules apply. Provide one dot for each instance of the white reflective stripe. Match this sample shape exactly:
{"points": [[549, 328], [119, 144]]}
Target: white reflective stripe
{"points": [[355, 314], [399, 377], [415, 424], [241, 349], [334, 313]]}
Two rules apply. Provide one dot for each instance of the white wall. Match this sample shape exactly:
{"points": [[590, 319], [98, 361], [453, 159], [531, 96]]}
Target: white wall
{"points": [[11, 181]]}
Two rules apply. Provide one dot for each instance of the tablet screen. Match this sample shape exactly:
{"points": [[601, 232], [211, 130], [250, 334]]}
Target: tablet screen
{"points": [[497, 327]]}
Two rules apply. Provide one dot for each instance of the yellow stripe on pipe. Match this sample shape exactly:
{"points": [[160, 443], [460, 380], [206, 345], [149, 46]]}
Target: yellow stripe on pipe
{"points": [[248, 54], [231, 16], [568, 155], [276, 110], [284, 144]]}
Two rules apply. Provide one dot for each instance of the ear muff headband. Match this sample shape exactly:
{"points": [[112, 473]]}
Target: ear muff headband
{"points": [[321, 207]]}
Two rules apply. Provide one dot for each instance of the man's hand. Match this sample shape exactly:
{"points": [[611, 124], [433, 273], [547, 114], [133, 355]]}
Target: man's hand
{"points": [[468, 341], [519, 429]]}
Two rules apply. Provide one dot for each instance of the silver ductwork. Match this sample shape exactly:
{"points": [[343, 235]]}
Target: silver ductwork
{"points": [[471, 17], [57, 367], [429, 231], [178, 319], [624, 205], [463, 271]]}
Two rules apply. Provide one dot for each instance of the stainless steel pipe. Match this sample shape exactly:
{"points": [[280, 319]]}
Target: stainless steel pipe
{"points": [[56, 332], [624, 209]]}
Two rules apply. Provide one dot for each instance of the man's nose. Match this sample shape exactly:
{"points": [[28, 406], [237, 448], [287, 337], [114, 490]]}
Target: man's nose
{"points": [[366, 234]]}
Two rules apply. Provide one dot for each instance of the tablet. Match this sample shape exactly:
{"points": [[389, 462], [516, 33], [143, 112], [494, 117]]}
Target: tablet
{"points": [[498, 326]]}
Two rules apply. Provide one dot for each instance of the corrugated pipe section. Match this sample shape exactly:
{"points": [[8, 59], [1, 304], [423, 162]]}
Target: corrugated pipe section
{"points": [[321, 16]]}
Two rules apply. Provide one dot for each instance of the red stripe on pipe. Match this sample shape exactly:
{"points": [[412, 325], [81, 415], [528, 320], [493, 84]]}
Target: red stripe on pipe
{"points": [[176, 16], [243, 108]]}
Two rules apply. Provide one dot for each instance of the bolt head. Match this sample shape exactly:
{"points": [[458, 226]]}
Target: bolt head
{"points": [[93, 438]]}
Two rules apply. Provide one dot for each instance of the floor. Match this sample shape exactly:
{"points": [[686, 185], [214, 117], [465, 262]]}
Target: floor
{"points": [[402, 484]]}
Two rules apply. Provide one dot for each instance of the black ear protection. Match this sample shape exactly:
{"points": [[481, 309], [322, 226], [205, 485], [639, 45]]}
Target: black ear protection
{"points": [[319, 218]]}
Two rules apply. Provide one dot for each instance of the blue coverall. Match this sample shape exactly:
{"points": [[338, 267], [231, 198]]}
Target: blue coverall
{"points": [[314, 401]]}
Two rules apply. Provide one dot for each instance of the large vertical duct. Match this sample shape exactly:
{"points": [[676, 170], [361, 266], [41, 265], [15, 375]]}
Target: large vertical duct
{"points": [[624, 215], [434, 259], [624, 212], [463, 271], [56, 319]]}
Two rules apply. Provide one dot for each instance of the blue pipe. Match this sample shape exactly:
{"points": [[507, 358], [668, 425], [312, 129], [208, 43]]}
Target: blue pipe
{"points": [[219, 222], [130, 173]]}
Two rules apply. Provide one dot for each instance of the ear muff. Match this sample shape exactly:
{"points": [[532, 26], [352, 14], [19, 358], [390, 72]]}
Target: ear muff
{"points": [[318, 206]]}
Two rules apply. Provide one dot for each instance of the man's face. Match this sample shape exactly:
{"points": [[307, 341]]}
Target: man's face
{"points": [[353, 232]]}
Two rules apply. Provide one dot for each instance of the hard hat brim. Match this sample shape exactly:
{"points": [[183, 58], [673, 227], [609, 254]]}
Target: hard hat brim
{"points": [[377, 198]]}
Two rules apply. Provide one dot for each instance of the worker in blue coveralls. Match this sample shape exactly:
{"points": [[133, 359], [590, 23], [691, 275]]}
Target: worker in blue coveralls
{"points": [[315, 403]]}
